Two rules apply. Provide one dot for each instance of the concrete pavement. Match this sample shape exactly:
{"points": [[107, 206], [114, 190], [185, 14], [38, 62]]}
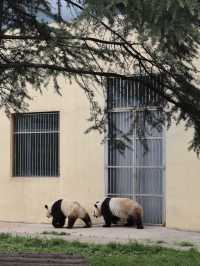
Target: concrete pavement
{"points": [[149, 235]]}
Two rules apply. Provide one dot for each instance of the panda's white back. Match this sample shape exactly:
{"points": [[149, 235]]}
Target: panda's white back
{"points": [[66, 207], [72, 208], [122, 207]]}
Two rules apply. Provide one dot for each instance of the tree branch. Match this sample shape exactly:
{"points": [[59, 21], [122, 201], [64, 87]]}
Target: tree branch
{"points": [[124, 41], [60, 68], [42, 38]]}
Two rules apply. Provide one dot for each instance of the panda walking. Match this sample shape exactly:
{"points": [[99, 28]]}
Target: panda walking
{"points": [[62, 209], [114, 209]]}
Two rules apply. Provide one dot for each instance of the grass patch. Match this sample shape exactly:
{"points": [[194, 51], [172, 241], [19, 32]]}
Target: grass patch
{"points": [[185, 244], [102, 255], [55, 233]]}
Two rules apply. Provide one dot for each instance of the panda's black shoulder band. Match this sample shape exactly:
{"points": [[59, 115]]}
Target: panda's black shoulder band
{"points": [[105, 208]]}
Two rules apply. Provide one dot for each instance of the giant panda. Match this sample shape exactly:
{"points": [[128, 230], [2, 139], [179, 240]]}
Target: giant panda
{"points": [[114, 209], [62, 209]]}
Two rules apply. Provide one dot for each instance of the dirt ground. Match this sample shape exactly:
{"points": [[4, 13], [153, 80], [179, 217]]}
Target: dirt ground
{"points": [[97, 234], [40, 260]]}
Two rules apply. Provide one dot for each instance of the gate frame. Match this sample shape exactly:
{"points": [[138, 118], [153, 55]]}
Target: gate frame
{"points": [[106, 149]]}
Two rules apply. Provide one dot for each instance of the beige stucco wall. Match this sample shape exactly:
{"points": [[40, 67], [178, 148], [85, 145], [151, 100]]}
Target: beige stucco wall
{"points": [[82, 167], [81, 161], [182, 181]]}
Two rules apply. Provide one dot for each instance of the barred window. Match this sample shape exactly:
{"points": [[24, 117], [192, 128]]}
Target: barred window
{"points": [[36, 144]]}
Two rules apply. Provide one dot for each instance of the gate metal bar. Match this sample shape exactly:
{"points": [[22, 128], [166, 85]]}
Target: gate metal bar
{"points": [[138, 177]]}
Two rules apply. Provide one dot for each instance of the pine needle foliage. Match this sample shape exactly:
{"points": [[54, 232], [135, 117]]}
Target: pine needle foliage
{"points": [[89, 41]]}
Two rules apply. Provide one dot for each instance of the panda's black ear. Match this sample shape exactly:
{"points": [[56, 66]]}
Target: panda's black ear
{"points": [[46, 206]]}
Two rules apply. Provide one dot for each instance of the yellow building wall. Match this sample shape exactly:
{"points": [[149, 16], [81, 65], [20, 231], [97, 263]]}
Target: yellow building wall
{"points": [[182, 181], [82, 167], [81, 161]]}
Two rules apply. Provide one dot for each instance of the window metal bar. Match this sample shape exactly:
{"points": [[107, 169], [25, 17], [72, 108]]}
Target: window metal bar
{"points": [[36, 132], [36, 144]]}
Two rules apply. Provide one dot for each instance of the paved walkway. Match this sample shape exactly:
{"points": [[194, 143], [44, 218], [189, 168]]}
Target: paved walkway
{"points": [[96, 234]]}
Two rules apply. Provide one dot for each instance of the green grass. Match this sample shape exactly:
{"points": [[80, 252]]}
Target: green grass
{"points": [[103, 255]]}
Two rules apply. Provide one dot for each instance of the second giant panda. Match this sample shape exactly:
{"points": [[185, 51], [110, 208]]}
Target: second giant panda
{"points": [[62, 209], [114, 209]]}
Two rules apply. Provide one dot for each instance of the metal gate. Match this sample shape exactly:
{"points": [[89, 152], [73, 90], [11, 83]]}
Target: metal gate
{"points": [[132, 170]]}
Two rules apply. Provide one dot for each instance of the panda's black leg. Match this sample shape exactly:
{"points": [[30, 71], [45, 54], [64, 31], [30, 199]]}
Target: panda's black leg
{"points": [[108, 222], [139, 223], [106, 225], [71, 221], [87, 221], [115, 219], [130, 221]]}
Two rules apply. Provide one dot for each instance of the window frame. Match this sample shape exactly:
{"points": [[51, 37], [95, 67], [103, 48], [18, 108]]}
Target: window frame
{"points": [[13, 146]]}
